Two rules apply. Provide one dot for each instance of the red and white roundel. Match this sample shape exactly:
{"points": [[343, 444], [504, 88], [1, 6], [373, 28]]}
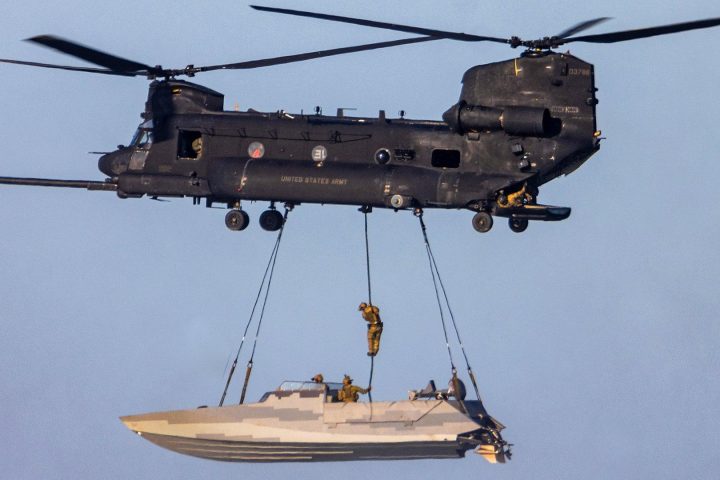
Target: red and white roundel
{"points": [[256, 150]]}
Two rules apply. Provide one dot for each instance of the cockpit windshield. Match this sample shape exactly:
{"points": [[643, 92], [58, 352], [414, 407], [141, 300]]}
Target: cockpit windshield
{"points": [[143, 136], [289, 386]]}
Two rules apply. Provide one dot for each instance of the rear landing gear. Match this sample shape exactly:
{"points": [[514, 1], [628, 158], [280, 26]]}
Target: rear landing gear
{"points": [[482, 222], [518, 225], [271, 220], [237, 220]]}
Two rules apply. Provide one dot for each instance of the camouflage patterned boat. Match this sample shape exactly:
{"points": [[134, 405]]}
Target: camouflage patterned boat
{"points": [[303, 421]]}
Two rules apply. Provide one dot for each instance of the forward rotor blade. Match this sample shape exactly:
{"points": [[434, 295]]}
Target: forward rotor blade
{"points": [[581, 26], [91, 55], [388, 26], [266, 62], [613, 37], [75, 69]]}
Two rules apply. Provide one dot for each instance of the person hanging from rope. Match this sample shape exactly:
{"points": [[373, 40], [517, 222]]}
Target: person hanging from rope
{"points": [[349, 393], [371, 314]]}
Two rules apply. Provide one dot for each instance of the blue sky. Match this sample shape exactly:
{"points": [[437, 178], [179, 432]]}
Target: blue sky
{"points": [[595, 340]]}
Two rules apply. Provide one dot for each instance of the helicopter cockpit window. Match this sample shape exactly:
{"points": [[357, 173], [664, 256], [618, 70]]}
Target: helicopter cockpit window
{"points": [[190, 144], [445, 158], [143, 136]]}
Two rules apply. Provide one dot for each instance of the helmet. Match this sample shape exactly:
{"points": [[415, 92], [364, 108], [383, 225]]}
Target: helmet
{"points": [[347, 380], [362, 306]]}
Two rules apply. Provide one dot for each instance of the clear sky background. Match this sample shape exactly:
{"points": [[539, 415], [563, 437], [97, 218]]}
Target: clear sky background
{"points": [[595, 340]]}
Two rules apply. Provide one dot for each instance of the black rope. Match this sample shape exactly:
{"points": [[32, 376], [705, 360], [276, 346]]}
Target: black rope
{"points": [[372, 368], [365, 211], [268, 270]]}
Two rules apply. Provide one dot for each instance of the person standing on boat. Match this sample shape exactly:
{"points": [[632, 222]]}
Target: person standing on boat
{"points": [[371, 314], [349, 392]]}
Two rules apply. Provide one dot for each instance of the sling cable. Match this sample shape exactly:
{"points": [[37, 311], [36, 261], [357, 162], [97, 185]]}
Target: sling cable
{"points": [[263, 291], [437, 282], [492, 425]]}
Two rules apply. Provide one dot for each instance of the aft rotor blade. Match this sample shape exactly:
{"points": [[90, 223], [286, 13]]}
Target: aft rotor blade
{"points": [[613, 37], [266, 62], [581, 26], [75, 69], [91, 55], [388, 26]]}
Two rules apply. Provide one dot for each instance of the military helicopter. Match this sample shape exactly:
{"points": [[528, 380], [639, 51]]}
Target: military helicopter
{"points": [[517, 125]]}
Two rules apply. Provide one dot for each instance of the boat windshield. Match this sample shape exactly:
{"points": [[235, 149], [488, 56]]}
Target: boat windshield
{"points": [[292, 386]]}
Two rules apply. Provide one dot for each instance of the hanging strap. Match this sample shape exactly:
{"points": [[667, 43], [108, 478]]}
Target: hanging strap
{"points": [[269, 270], [438, 280]]}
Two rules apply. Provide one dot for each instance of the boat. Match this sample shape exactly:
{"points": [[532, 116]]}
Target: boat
{"points": [[305, 422]]}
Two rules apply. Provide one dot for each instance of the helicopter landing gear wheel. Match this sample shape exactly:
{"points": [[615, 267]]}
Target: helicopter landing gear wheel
{"points": [[271, 220], [482, 222], [518, 225], [237, 220]]}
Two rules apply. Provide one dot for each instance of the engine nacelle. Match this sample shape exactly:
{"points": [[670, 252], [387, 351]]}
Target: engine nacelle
{"points": [[514, 120]]}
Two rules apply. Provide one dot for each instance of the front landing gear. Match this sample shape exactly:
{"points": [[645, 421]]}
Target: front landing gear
{"points": [[237, 219], [482, 222]]}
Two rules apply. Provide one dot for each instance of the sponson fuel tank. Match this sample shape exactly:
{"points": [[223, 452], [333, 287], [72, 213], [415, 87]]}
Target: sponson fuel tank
{"points": [[303, 421]]}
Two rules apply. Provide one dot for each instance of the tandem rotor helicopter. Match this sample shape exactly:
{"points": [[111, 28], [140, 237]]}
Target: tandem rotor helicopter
{"points": [[517, 125]]}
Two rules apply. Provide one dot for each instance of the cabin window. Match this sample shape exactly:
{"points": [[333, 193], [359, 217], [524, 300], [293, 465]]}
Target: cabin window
{"points": [[445, 158], [190, 144]]}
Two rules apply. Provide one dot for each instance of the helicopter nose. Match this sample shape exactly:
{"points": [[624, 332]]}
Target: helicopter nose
{"points": [[115, 163]]}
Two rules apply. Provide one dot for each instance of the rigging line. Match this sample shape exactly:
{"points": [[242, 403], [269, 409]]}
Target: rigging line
{"points": [[267, 289], [247, 326], [455, 327], [267, 293], [436, 272], [437, 293], [250, 319]]}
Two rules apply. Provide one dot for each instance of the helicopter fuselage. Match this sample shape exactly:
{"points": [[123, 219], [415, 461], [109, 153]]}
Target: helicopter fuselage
{"points": [[517, 125]]}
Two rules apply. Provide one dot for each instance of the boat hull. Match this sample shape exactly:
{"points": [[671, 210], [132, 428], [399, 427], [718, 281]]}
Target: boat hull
{"points": [[234, 451], [311, 426]]}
